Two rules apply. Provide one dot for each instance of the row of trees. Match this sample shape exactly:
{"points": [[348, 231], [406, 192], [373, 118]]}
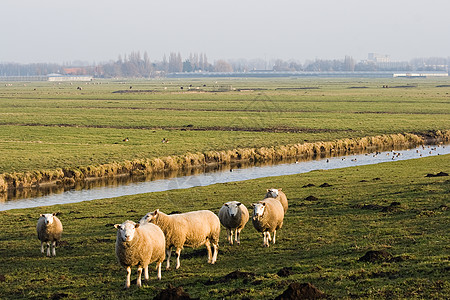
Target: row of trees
{"points": [[139, 65]]}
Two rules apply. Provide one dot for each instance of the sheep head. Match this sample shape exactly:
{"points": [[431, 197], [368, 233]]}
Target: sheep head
{"points": [[150, 217], [258, 209], [273, 193], [233, 208], [126, 230], [48, 218]]}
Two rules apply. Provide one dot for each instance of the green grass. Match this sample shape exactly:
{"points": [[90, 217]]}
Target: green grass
{"points": [[321, 240], [49, 125]]}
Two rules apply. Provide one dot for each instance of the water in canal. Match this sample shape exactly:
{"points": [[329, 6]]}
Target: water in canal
{"points": [[120, 186]]}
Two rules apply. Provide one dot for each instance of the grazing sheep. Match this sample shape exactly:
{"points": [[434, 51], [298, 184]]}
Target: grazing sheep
{"points": [[280, 196], [139, 245], [268, 217], [191, 229], [233, 216], [49, 230]]}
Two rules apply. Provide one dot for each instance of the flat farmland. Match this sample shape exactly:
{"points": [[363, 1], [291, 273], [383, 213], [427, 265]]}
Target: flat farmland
{"points": [[52, 125]]}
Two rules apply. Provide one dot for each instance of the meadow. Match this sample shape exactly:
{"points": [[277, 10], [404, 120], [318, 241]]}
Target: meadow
{"points": [[56, 127], [392, 206]]}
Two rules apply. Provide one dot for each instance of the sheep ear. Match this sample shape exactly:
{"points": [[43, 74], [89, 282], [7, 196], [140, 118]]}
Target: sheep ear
{"points": [[116, 226], [239, 203], [137, 225], [279, 189], [252, 205], [53, 214], [267, 190], [226, 204], [264, 203], [41, 215], [156, 212]]}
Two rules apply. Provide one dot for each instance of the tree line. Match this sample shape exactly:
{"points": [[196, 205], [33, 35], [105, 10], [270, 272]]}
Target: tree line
{"points": [[137, 65]]}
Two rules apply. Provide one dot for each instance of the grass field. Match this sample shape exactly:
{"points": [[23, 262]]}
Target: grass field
{"points": [[49, 125], [391, 206]]}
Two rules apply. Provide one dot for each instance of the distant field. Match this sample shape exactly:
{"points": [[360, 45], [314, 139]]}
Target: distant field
{"points": [[49, 125], [392, 207]]}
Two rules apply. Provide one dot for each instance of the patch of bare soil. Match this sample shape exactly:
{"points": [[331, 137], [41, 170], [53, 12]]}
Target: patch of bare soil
{"points": [[377, 256], [173, 293], [437, 174], [301, 291], [393, 207], [311, 198], [285, 272]]}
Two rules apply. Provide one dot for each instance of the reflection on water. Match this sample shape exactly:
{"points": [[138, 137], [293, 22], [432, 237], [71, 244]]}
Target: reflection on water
{"points": [[127, 185]]}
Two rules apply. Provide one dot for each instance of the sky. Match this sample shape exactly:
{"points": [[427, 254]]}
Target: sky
{"points": [[94, 31]]}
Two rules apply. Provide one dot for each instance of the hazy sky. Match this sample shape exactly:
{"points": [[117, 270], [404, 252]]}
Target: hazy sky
{"points": [[99, 30]]}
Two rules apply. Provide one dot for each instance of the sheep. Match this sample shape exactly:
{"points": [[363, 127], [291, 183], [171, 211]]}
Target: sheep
{"points": [[191, 229], [267, 217], [233, 216], [139, 245], [280, 196], [49, 230]]}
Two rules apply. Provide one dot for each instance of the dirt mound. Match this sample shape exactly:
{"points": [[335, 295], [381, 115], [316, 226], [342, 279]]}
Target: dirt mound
{"points": [[376, 256], [173, 293], [311, 198], [301, 291], [238, 275], [309, 185], [325, 185], [437, 174], [285, 272]]}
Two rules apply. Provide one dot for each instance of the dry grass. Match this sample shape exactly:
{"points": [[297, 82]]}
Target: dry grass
{"points": [[190, 160]]}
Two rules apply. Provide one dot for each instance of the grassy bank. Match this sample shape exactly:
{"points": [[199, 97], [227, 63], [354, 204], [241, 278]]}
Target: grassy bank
{"points": [[70, 176], [391, 206]]}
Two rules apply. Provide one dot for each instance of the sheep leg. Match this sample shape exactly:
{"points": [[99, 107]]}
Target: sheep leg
{"points": [[168, 253], [159, 270], [146, 272], [237, 236], [208, 248], [274, 236], [48, 249], [139, 274], [42, 247], [216, 251], [178, 252], [127, 280], [53, 245], [230, 236]]}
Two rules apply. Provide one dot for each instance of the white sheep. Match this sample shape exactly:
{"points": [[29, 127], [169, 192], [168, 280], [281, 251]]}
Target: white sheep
{"points": [[191, 229], [141, 246], [49, 230], [280, 196], [233, 216], [268, 215]]}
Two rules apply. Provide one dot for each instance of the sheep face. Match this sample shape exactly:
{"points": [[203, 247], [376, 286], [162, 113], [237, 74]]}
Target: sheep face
{"points": [[126, 230], [149, 217], [48, 218], [272, 193], [233, 208], [258, 209]]}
